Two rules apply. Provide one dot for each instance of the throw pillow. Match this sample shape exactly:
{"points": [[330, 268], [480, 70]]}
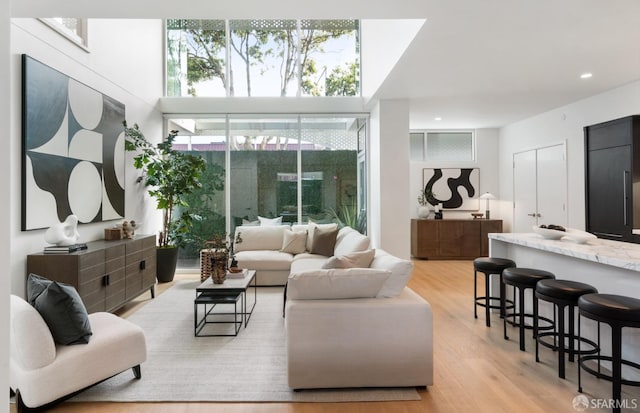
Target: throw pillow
{"points": [[400, 273], [294, 242], [324, 241], [311, 229], [269, 221], [336, 284], [61, 308], [359, 259]]}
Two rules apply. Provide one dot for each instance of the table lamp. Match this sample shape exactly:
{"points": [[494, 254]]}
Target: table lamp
{"points": [[487, 196]]}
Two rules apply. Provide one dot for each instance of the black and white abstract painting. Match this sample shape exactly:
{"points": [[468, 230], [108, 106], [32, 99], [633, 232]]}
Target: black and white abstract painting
{"points": [[455, 188], [73, 150]]}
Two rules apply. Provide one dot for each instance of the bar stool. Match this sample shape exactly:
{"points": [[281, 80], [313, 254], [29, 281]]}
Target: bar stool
{"points": [[618, 311], [489, 266], [522, 279], [563, 294]]}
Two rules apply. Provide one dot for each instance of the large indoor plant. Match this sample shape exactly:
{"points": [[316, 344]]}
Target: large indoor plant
{"points": [[170, 175]]}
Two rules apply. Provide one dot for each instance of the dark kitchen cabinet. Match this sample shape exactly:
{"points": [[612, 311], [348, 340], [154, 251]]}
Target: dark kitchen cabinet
{"points": [[612, 168]]}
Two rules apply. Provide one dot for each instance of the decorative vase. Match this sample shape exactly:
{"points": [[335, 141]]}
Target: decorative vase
{"points": [[219, 262], [423, 211]]}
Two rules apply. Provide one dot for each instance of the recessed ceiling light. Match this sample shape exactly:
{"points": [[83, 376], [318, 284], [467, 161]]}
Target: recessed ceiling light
{"points": [[438, 118], [585, 75]]}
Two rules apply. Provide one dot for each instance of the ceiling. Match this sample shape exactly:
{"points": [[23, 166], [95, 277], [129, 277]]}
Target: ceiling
{"points": [[489, 63], [474, 63]]}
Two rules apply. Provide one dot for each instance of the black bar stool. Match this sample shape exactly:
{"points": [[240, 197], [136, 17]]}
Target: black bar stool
{"points": [[489, 266], [563, 294], [618, 311], [523, 278]]}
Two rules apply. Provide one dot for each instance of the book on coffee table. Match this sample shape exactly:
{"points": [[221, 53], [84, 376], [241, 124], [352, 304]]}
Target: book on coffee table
{"points": [[237, 275]]}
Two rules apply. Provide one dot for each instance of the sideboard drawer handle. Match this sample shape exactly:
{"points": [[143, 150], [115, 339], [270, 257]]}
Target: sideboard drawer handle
{"points": [[143, 264]]}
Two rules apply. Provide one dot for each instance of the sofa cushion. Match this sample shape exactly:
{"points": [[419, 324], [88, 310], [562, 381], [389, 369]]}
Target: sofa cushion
{"points": [[324, 241], [359, 259], [31, 342], [306, 261], [336, 284], [61, 308], [311, 228], [294, 242], [264, 260], [265, 222], [400, 272], [259, 238], [349, 240]]}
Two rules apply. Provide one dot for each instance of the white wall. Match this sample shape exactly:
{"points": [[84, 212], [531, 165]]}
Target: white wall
{"points": [[389, 172], [552, 127], [486, 161], [125, 62], [6, 219], [383, 43]]}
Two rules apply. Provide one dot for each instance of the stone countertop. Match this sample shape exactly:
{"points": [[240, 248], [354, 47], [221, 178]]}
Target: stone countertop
{"points": [[615, 253]]}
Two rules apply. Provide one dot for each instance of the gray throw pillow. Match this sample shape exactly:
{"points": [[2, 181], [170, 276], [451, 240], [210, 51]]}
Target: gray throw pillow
{"points": [[61, 308], [324, 241]]}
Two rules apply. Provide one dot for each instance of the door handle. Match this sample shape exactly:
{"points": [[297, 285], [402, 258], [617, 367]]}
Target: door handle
{"points": [[531, 215], [624, 196]]}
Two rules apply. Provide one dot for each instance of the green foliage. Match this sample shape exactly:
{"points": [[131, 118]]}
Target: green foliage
{"points": [[343, 81], [171, 175], [349, 216]]}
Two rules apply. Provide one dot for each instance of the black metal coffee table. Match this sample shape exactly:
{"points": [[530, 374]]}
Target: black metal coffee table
{"points": [[232, 291]]}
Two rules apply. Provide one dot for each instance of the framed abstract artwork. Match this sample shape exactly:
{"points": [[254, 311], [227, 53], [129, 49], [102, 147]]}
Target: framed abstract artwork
{"points": [[455, 188], [72, 150]]}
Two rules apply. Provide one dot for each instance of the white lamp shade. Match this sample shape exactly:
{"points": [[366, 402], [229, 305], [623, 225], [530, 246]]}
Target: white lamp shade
{"points": [[487, 195]]}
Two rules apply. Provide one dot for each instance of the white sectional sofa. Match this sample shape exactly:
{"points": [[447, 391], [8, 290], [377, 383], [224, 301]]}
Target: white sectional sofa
{"points": [[261, 249], [345, 327]]}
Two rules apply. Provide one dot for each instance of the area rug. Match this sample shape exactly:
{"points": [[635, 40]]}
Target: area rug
{"points": [[248, 368]]}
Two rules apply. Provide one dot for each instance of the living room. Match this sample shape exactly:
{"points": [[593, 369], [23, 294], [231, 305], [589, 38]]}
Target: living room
{"points": [[139, 88]]}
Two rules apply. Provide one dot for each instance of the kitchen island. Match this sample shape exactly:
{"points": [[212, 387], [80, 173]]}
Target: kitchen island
{"points": [[613, 267]]}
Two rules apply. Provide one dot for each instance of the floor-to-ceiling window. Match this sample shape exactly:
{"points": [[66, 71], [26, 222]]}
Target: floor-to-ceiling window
{"points": [[297, 168]]}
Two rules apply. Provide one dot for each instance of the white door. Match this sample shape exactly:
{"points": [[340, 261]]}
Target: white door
{"points": [[524, 191], [539, 188], [552, 185]]}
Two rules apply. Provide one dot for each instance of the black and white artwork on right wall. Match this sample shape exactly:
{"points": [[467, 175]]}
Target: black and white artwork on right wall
{"points": [[455, 188]]}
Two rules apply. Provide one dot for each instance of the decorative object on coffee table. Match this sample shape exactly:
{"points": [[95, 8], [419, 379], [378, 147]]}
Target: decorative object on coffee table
{"points": [[214, 259]]}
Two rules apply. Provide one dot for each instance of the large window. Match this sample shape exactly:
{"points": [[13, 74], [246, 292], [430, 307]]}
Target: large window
{"points": [[300, 168], [263, 58]]}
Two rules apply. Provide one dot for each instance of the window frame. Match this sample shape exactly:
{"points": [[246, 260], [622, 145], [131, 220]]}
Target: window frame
{"points": [[81, 40], [425, 144]]}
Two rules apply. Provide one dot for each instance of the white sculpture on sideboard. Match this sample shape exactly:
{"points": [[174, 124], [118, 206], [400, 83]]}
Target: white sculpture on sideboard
{"points": [[63, 233]]}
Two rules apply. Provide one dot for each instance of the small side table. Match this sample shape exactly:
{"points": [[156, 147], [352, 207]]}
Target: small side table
{"points": [[211, 299]]}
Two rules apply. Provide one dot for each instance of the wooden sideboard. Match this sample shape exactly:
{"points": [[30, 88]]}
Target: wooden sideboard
{"points": [[107, 274], [452, 239]]}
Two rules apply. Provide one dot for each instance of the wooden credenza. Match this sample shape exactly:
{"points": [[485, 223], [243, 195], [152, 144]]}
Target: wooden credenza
{"points": [[452, 239], [107, 274]]}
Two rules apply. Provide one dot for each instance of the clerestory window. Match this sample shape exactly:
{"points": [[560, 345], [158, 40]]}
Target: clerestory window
{"points": [[263, 58]]}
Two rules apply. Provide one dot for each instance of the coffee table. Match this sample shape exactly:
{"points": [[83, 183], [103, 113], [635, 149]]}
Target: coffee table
{"points": [[231, 291]]}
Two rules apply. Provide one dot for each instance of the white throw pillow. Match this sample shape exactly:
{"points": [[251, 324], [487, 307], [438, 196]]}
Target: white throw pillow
{"points": [[265, 222], [336, 284], [360, 259], [294, 242]]}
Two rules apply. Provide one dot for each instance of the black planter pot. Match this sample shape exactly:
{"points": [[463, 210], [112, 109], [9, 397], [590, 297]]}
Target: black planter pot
{"points": [[166, 261]]}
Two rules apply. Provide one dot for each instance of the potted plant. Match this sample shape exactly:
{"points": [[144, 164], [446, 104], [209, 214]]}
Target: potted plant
{"points": [[170, 175], [425, 199]]}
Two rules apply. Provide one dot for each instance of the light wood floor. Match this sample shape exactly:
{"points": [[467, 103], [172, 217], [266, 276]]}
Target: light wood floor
{"points": [[476, 370]]}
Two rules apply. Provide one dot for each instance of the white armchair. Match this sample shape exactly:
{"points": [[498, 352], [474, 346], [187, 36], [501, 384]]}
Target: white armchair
{"points": [[42, 372]]}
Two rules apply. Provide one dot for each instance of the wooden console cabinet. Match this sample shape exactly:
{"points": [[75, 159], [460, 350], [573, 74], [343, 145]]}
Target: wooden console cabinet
{"points": [[452, 239], [107, 274]]}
